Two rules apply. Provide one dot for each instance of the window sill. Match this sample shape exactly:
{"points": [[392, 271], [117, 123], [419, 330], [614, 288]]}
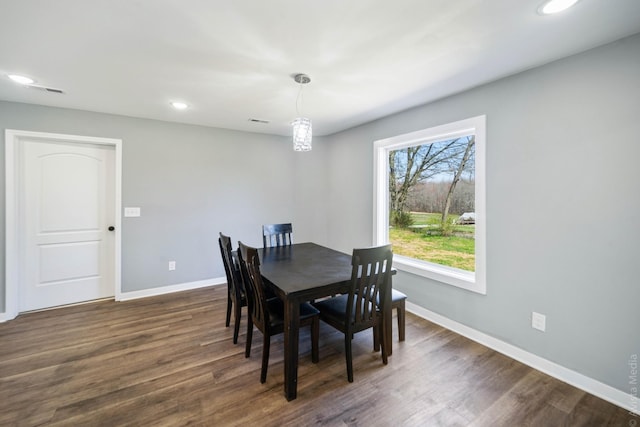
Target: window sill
{"points": [[449, 275]]}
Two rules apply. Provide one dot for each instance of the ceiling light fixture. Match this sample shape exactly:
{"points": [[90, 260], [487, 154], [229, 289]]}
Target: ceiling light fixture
{"points": [[23, 80], [179, 105], [555, 6], [302, 130]]}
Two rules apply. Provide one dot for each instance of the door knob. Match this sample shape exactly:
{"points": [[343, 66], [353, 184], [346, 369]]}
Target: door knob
{"points": [[111, 228]]}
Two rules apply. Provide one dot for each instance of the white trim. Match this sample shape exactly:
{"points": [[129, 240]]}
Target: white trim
{"points": [[12, 139], [162, 290], [442, 273], [590, 385], [472, 281], [118, 220], [11, 224]]}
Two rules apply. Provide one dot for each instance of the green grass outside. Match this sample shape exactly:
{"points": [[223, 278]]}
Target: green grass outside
{"points": [[424, 241]]}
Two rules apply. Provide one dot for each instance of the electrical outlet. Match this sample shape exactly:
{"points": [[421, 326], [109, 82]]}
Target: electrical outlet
{"points": [[538, 321], [172, 265]]}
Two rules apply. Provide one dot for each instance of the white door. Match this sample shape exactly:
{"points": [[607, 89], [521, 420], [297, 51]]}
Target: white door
{"points": [[67, 205]]}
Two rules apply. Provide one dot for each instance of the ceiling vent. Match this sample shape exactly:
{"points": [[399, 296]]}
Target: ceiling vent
{"points": [[264, 122], [45, 88]]}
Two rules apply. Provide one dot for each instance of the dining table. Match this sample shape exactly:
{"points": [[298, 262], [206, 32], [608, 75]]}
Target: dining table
{"points": [[304, 272]]}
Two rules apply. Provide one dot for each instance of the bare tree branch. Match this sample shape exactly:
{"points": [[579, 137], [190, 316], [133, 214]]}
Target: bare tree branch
{"points": [[412, 165], [456, 178]]}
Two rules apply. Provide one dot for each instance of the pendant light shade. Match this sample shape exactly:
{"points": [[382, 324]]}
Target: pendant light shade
{"points": [[302, 133], [302, 129]]}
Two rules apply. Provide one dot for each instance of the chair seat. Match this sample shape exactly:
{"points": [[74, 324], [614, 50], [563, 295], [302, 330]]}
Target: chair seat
{"points": [[276, 312], [334, 308], [397, 296]]}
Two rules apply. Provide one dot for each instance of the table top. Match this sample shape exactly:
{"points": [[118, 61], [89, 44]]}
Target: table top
{"points": [[305, 270]]}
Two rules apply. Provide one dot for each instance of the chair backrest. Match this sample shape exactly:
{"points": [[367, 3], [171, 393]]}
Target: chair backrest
{"points": [[276, 235], [234, 280], [257, 301], [370, 281]]}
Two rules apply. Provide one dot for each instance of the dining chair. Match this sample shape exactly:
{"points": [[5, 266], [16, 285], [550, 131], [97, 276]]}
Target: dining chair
{"points": [[236, 295], [268, 314], [276, 235], [358, 309]]}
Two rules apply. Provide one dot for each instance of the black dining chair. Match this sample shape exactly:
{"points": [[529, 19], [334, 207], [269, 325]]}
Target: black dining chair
{"points": [[268, 314], [276, 235], [236, 295], [359, 310]]}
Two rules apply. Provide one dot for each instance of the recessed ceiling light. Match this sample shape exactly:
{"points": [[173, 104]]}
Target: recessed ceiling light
{"points": [[556, 6], [23, 80], [179, 105]]}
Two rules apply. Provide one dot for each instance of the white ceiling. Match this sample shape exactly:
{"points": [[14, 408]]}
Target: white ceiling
{"points": [[234, 60]]}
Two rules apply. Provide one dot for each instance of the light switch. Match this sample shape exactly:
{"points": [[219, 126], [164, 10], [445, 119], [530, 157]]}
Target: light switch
{"points": [[131, 212]]}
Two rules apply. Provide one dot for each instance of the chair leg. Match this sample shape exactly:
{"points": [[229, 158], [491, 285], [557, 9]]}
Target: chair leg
{"points": [[384, 331], [376, 339], [401, 321], [265, 357], [383, 343], [348, 356], [236, 326], [315, 337], [247, 351], [228, 310]]}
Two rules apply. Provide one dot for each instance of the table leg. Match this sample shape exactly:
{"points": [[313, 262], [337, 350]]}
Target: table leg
{"points": [[291, 338]]}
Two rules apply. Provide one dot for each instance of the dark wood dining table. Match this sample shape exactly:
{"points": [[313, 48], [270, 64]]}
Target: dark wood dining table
{"points": [[303, 272]]}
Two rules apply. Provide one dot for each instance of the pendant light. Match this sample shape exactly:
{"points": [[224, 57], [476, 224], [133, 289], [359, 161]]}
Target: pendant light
{"points": [[302, 130]]}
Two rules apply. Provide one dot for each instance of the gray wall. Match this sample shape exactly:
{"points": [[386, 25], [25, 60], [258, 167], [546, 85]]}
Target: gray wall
{"points": [[563, 198], [191, 183]]}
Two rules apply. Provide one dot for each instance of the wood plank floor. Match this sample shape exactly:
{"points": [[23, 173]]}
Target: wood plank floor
{"points": [[169, 361]]}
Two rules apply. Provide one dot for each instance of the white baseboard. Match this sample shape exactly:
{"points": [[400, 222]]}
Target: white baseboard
{"points": [[126, 296], [601, 390], [4, 317]]}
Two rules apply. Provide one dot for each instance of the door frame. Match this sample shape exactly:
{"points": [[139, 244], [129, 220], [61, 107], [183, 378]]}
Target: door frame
{"points": [[13, 139]]}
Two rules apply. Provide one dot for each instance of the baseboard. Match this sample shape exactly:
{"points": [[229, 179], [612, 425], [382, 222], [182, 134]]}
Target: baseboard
{"points": [[601, 390], [4, 317], [126, 296]]}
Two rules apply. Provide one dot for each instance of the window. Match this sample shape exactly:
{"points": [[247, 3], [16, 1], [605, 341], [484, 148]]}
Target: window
{"points": [[430, 190]]}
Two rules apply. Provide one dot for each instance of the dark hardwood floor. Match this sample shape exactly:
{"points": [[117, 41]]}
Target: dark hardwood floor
{"points": [[169, 360]]}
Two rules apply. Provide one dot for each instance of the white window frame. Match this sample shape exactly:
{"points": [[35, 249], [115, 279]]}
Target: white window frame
{"points": [[472, 281]]}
